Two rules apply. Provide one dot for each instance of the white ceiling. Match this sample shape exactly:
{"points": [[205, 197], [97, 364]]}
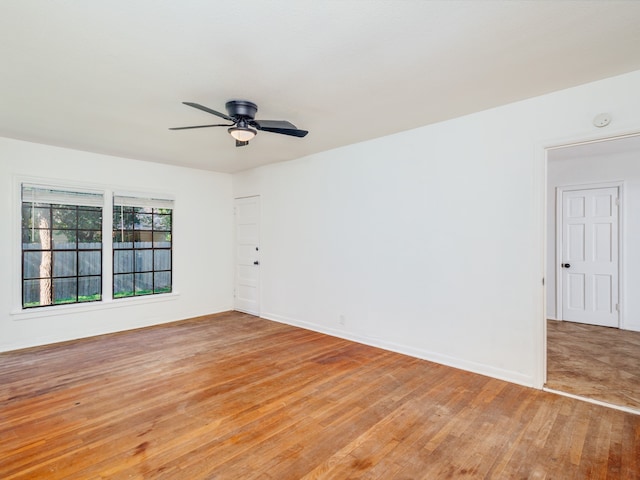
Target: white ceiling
{"points": [[109, 76]]}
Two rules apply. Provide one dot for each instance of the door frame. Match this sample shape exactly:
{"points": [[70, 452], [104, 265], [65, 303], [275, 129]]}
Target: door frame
{"points": [[619, 185]]}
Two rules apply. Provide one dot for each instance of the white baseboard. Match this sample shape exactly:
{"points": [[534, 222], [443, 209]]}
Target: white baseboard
{"points": [[594, 401], [482, 369]]}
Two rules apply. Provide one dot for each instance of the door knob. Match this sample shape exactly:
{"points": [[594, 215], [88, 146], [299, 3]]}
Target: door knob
{"points": [[566, 265], [256, 262]]}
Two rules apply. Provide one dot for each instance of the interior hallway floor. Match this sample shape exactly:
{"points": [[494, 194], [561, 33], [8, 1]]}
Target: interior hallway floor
{"points": [[600, 363]]}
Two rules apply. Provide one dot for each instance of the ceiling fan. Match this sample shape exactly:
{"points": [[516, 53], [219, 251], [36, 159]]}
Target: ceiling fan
{"points": [[244, 126]]}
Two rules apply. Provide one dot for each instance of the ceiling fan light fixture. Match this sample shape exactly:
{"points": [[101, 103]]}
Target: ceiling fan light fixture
{"points": [[242, 134]]}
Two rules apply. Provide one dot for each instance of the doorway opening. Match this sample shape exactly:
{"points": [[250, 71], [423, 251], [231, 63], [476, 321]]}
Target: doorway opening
{"points": [[593, 192]]}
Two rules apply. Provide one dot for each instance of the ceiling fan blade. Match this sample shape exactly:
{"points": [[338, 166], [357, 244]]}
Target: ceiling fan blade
{"points": [[209, 110], [279, 126], [273, 124], [286, 131], [241, 144], [203, 126]]}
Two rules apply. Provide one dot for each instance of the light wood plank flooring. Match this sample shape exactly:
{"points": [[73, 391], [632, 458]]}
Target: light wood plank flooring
{"points": [[232, 396], [594, 362]]}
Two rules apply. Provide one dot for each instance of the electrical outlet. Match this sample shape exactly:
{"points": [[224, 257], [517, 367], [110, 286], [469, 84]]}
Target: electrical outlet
{"points": [[342, 320]]}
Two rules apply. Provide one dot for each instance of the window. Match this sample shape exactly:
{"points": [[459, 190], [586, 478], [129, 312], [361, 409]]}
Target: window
{"points": [[61, 246], [142, 254]]}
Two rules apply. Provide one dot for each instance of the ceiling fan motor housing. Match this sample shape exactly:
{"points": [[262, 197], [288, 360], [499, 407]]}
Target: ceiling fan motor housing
{"points": [[241, 108]]}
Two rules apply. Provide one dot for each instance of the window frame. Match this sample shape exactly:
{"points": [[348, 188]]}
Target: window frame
{"points": [[19, 313]]}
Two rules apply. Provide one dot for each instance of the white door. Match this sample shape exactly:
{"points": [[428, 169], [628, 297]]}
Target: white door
{"points": [[589, 256], [247, 280]]}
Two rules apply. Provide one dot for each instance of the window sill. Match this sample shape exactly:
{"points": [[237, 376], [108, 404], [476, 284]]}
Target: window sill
{"points": [[24, 314]]}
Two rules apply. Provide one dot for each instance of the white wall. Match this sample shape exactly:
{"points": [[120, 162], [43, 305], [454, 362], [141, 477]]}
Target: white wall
{"points": [[203, 235], [612, 167], [428, 242]]}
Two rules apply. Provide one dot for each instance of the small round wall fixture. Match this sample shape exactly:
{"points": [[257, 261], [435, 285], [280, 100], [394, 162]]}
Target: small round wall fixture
{"points": [[602, 120]]}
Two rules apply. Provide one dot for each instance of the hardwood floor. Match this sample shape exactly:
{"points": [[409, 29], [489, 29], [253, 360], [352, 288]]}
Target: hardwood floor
{"points": [[232, 396], [594, 362]]}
